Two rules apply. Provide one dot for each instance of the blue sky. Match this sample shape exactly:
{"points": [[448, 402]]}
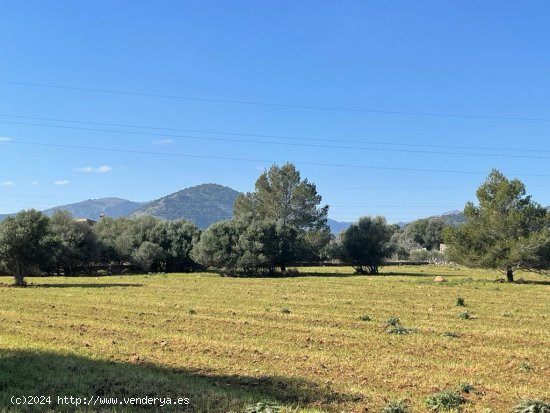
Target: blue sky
{"points": [[389, 61]]}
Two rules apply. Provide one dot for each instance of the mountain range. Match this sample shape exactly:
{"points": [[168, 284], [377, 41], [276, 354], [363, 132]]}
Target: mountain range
{"points": [[202, 204], [93, 208]]}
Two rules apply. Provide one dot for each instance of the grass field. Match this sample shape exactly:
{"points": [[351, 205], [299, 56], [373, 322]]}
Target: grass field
{"points": [[226, 343]]}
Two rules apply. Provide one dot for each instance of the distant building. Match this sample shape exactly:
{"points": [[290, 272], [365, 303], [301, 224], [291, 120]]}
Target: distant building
{"points": [[442, 248], [87, 221]]}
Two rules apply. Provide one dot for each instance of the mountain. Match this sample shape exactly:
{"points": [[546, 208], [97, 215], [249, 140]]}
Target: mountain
{"points": [[449, 218], [93, 208], [201, 204], [453, 218], [337, 226]]}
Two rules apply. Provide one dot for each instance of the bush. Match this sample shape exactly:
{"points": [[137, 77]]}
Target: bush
{"points": [[419, 255], [526, 367], [460, 302], [393, 326], [285, 310], [450, 334], [466, 388], [364, 317], [445, 401], [532, 406], [396, 407]]}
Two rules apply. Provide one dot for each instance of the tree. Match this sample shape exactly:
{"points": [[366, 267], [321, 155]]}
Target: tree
{"points": [[281, 197], [122, 240], [426, 232], [416, 231], [313, 245], [24, 243], [149, 256], [433, 234], [75, 244], [246, 246], [403, 244], [257, 247], [506, 231], [365, 244], [177, 241], [217, 246], [115, 243]]}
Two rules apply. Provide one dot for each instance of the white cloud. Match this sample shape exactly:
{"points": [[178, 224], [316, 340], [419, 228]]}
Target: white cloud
{"points": [[164, 142], [4, 139], [61, 182], [104, 168], [7, 183], [34, 183], [100, 169]]}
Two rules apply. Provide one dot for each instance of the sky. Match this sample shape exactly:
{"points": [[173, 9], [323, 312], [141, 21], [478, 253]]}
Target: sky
{"points": [[393, 108]]}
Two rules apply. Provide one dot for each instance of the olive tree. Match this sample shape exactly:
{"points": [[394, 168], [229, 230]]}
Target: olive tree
{"points": [[364, 245], [75, 245], [217, 246], [24, 243]]}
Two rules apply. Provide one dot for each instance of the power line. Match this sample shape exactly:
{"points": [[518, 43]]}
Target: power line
{"points": [[279, 105], [367, 142], [416, 151], [229, 158]]}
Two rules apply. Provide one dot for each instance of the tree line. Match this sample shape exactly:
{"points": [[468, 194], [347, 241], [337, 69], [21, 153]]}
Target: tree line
{"points": [[282, 223]]}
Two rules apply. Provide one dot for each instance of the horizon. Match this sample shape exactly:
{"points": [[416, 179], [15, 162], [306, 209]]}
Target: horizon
{"points": [[398, 109], [60, 206]]}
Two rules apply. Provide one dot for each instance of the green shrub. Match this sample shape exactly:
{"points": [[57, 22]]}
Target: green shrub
{"points": [[525, 367], [191, 311], [466, 388], [532, 406], [445, 401], [393, 326], [396, 407], [450, 334], [364, 317], [400, 330], [285, 310], [460, 302]]}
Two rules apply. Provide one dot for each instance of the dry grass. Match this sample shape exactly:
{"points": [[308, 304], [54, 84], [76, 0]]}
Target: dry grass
{"points": [[227, 342]]}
